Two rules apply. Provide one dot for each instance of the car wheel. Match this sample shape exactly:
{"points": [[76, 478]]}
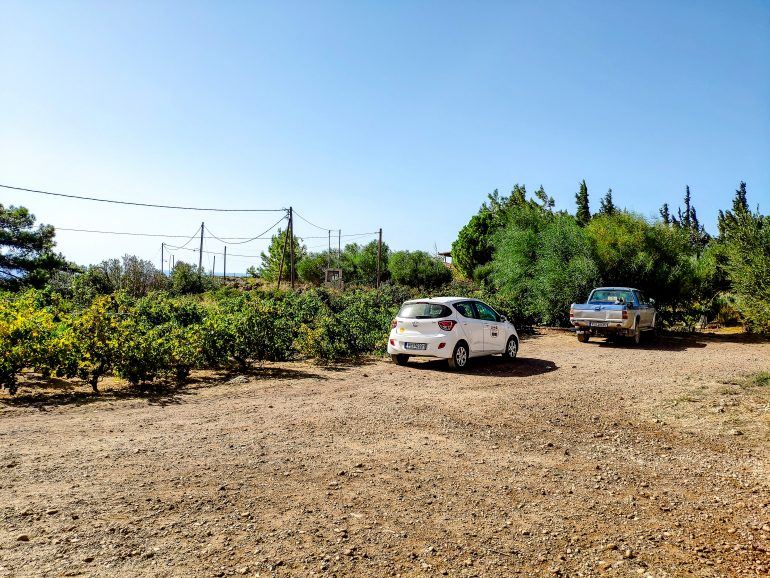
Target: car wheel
{"points": [[400, 359], [459, 357], [583, 337], [637, 337], [511, 349]]}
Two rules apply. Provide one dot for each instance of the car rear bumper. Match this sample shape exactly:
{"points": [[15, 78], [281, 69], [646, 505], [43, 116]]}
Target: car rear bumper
{"points": [[612, 327], [434, 347]]}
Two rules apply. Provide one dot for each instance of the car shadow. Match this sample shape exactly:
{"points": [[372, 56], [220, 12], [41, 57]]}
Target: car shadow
{"points": [[494, 365]]}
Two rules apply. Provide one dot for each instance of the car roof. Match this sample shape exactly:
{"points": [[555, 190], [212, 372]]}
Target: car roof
{"points": [[616, 289], [442, 300]]}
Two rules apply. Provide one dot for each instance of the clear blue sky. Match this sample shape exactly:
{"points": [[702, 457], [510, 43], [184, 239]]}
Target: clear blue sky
{"points": [[400, 115]]}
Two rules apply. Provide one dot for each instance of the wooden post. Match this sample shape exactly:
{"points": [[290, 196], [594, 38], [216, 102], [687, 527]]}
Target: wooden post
{"points": [[291, 248], [162, 266], [283, 252], [224, 267], [379, 257], [214, 267], [200, 254]]}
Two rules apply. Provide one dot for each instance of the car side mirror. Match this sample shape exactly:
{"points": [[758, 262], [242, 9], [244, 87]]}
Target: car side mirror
{"points": [[503, 319]]}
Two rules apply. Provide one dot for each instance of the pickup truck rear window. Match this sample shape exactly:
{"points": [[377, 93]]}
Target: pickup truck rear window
{"points": [[424, 311], [613, 296]]}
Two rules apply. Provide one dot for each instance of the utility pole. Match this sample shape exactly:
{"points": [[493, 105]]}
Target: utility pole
{"points": [[214, 267], [379, 257], [329, 253], [172, 265], [339, 248], [291, 240], [224, 268], [283, 251], [162, 270], [200, 253]]}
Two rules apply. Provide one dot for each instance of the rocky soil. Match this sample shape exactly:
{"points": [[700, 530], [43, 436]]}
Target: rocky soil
{"points": [[575, 460]]}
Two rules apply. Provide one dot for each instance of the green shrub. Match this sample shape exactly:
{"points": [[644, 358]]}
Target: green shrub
{"points": [[418, 269]]}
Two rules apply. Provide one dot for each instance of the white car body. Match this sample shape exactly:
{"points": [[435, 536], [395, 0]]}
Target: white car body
{"points": [[445, 326]]}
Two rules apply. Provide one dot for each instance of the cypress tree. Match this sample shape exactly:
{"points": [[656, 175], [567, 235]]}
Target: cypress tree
{"points": [[583, 214]]}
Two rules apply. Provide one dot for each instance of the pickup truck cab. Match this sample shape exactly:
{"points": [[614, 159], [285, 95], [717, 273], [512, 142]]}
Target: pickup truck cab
{"points": [[613, 311]]}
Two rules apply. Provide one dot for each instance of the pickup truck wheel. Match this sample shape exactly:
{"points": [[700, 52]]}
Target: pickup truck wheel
{"points": [[637, 336], [583, 337], [400, 359]]}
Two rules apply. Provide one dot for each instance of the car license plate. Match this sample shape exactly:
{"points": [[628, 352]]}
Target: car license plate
{"points": [[416, 346], [598, 324]]}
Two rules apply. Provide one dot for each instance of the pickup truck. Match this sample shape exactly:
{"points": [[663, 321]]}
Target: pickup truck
{"points": [[611, 312]]}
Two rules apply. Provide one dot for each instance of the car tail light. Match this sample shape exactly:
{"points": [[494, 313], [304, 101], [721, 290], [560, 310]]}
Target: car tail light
{"points": [[393, 324], [447, 325], [625, 313], [571, 313]]}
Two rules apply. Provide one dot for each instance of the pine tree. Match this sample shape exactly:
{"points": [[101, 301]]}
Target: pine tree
{"points": [[728, 219], [583, 213], [740, 202], [607, 207], [665, 214], [545, 201], [26, 253]]}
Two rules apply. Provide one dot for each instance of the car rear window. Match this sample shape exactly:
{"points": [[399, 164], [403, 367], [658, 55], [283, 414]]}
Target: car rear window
{"points": [[614, 296], [424, 311]]}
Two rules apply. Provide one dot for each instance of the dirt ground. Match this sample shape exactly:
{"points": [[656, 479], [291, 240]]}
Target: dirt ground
{"points": [[575, 460]]}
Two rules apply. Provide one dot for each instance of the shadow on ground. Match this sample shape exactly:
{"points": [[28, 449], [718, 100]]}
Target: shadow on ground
{"points": [[493, 365], [54, 392]]}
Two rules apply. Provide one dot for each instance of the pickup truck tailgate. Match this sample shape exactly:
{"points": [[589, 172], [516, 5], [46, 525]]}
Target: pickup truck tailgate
{"points": [[598, 312]]}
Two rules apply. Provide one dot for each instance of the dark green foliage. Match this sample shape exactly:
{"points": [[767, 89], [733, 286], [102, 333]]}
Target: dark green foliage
{"points": [[583, 213], [607, 207], [26, 253], [358, 264], [473, 247], [186, 279], [546, 201], [542, 263], [665, 214], [271, 260], [632, 252], [472, 251], [745, 242], [311, 269], [418, 269]]}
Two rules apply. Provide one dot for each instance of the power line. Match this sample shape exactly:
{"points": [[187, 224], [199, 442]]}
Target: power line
{"points": [[348, 235], [195, 236], [121, 233], [154, 206], [205, 252], [260, 236], [311, 224]]}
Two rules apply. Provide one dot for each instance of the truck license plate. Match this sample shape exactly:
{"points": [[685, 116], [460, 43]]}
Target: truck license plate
{"points": [[598, 324], [417, 346]]}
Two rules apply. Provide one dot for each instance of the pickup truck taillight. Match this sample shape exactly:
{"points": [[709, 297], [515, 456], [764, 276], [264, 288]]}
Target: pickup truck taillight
{"points": [[447, 325], [625, 313], [393, 324], [571, 313]]}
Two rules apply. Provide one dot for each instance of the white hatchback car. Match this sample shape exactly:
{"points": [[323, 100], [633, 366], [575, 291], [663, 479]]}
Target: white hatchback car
{"points": [[452, 328]]}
